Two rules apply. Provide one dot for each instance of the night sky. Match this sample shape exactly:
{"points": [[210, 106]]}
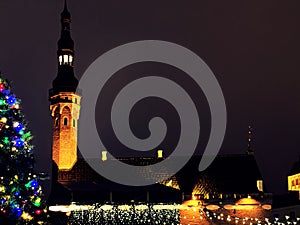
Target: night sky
{"points": [[251, 46]]}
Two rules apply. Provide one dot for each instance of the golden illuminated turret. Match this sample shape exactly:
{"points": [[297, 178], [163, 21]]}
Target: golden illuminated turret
{"points": [[65, 102], [65, 114]]}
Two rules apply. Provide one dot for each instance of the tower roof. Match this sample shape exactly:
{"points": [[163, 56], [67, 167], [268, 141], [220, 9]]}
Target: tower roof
{"points": [[65, 13], [295, 168], [65, 80], [65, 41]]}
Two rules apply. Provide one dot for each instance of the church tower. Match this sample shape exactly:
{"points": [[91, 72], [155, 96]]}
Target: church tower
{"points": [[64, 101]]}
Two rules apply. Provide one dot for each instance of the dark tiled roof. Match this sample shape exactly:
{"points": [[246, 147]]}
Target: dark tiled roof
{"points": [[295, 168], [228, 174]]}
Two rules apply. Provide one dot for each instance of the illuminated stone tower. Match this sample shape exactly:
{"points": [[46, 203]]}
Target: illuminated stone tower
{"points": [[65, 102]]}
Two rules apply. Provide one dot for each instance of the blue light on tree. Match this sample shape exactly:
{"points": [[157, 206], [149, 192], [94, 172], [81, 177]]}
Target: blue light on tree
{"points": [[34, 184], [6, 92], [19, 143], [18, 126], [17, 212], [11, 100]]}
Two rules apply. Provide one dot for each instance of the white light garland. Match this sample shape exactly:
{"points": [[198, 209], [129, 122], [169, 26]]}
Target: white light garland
{"points": [[145, 214], [251, 221]]}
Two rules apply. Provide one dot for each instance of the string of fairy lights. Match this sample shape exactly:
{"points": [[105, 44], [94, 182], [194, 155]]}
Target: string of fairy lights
{"points": [[248, 220], [135, 214], [170, 214]]}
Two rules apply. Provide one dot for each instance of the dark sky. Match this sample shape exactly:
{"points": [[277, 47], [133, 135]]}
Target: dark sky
{"points": [[251, 46]]}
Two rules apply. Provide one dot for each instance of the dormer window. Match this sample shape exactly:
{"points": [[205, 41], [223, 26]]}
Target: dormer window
{"points": [[65, 59]]}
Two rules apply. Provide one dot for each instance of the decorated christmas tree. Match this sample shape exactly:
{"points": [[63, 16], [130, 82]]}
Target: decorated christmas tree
{"points": [[21, 199]]}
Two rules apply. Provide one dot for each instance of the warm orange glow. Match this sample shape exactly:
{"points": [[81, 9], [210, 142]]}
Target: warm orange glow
{"points": [[294, 183], [64, 145], [246, 207], [267, 207], [192, 203], [229, 207], [171, 182], [259, 184], [212, 207], [247, 201]]}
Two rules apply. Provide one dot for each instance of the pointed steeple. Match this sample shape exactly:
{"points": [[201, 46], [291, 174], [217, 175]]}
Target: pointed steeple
{"points": [[250, 141], [66, 8], [65, 18], [65, 43], [65, 80]]}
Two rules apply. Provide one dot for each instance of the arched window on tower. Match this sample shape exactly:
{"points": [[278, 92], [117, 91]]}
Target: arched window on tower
{"points": [[70, 60], [65, 121], [60, 60], [65, 59], [66, 114]]}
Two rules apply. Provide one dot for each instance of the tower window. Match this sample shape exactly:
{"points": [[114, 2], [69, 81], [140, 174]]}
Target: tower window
{"points": [[70, 59], [74, 123], [60, 60], [65, 59], [75, 100], [65, 121]]}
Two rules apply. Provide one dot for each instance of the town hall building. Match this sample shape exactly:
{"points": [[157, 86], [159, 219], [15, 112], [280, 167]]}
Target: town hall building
{"points": [[229, 176]]}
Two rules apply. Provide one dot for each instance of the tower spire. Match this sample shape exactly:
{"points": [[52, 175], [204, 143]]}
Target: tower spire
{"points": [[65, 15], [66, 6], [65, 79], [250, 141]]}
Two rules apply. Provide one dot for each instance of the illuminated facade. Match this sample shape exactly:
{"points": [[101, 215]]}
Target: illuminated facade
{"points": [[65, 102], [294, 178], [260, 186], [294, 183]]}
